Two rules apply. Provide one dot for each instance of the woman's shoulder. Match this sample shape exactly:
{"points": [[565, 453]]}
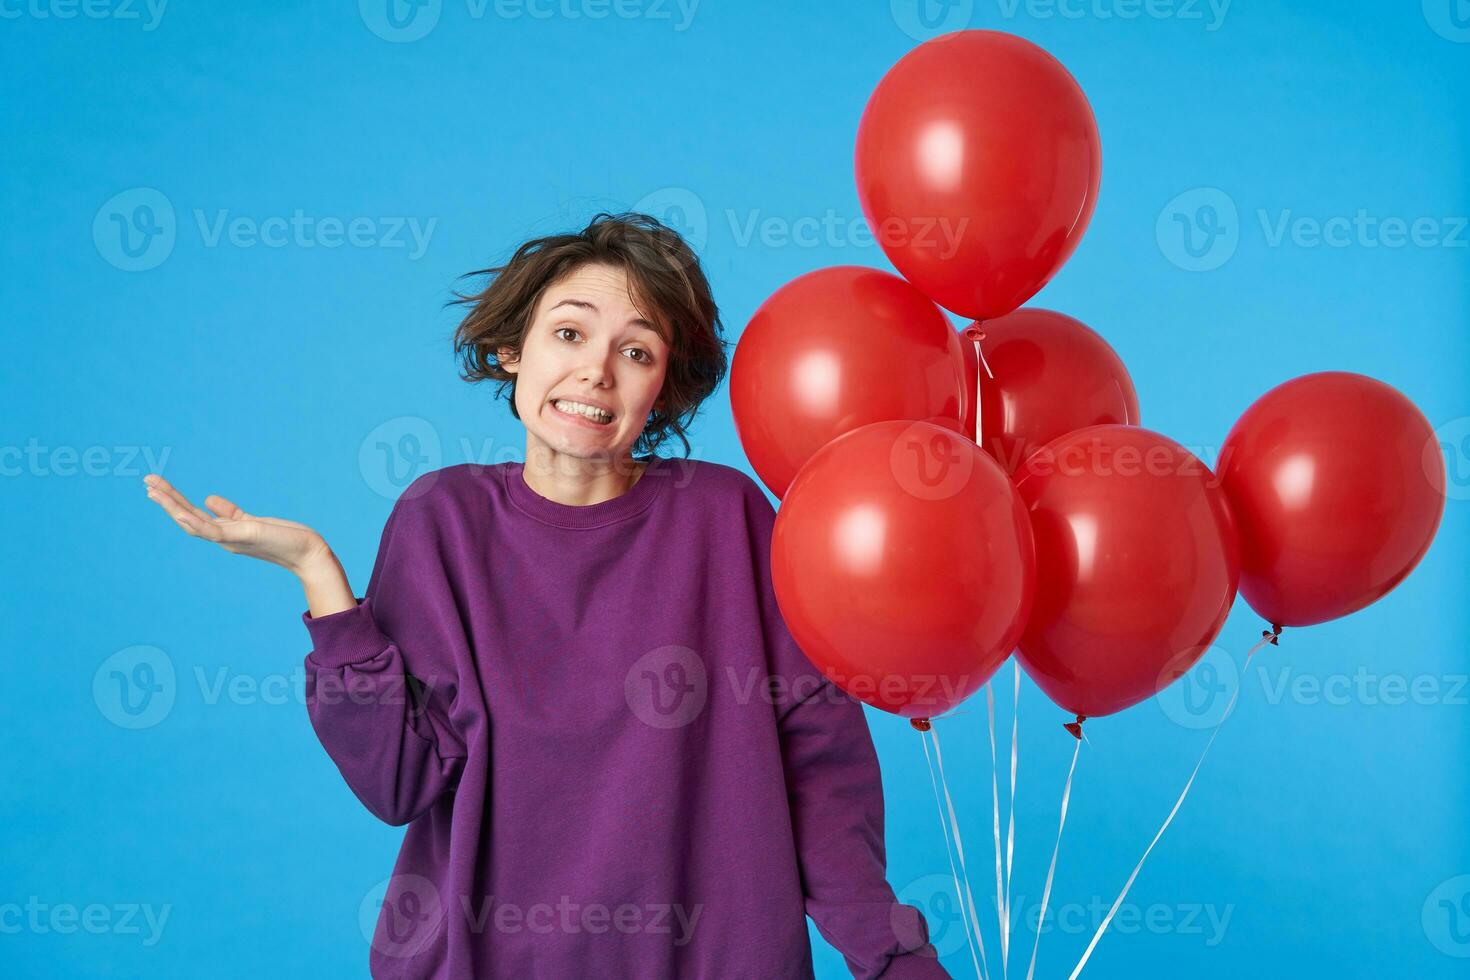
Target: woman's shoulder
{"points": [[713, 479], [436, 488], [451, 496]]}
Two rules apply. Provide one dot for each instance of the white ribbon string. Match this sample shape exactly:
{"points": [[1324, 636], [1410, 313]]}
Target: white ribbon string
{"points": [[958, 891], [1229, 707], [977, 395], [1005, 943], [959, 846], [980, 362], [1052, 868], [1000, 900]]}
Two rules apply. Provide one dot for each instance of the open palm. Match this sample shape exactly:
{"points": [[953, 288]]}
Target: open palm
{"points": [[273, 539]]}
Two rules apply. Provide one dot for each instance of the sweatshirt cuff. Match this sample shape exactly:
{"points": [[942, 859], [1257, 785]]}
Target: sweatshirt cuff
{"points": [[918, 964], [345, 637]]}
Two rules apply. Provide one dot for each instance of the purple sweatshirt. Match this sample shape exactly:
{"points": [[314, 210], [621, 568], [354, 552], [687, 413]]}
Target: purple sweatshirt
{"points": [[613, 759]]}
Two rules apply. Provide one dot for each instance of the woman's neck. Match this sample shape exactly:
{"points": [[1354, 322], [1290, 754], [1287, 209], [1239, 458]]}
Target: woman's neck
{"points": [[579, 482]]}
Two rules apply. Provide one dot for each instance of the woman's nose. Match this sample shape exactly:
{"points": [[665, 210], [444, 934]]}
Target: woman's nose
{"points": [[595, 366]]}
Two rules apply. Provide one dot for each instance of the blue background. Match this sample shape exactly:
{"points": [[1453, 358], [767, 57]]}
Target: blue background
{"points": [[1330, 830]]}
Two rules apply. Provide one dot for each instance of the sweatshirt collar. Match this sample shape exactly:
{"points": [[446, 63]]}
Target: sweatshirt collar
{"points": [[625, 505]]}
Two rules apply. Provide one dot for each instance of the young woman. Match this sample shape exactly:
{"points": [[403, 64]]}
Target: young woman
{"points": [[569, 677]]}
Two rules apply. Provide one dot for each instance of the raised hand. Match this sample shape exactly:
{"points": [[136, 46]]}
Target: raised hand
{"points": [[286, 543]]}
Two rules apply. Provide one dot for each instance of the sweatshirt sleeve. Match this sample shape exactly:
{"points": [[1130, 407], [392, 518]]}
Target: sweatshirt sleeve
{"points": [[835, 792], [381, 676]]}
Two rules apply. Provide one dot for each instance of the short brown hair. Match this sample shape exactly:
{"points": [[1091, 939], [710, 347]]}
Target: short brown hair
{"points": [[665, 282]]}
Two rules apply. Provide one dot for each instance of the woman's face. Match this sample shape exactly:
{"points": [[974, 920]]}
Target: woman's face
{"points": [[588, 343]]}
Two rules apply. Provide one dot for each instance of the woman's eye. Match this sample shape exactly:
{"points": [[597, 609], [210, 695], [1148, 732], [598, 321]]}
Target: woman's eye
{"points": [[645, 359]]}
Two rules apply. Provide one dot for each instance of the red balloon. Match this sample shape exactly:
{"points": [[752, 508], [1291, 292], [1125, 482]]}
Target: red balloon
{"points": [[902, 562], [1338, 484], [833, 350], [1136, 566], [978, 163], [1052, 375]]}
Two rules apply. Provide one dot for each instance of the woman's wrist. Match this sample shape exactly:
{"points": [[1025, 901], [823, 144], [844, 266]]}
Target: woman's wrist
{"points": [[325, 584]]}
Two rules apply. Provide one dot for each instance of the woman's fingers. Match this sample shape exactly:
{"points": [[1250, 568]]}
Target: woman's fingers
{"points": [[186, 515], [224, 508], [167, 491], [221, 507]]}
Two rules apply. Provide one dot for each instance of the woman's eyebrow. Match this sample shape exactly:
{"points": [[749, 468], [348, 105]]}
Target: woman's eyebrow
{"points": [[584, 304]]}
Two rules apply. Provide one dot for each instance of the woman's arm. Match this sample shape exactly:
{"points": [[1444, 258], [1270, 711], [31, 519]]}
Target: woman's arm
{"points": [[380, 709], [381, 677], [836, 794]]}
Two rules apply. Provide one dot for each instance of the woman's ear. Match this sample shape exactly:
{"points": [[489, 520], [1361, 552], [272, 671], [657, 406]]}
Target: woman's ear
{"points": [[508, 360]]}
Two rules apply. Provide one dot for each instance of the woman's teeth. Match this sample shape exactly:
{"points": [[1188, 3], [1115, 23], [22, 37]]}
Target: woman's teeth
{"points": [[577, 408]]}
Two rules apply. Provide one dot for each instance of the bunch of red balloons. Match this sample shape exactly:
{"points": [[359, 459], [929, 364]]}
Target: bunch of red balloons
{"points": [[932, 521]]}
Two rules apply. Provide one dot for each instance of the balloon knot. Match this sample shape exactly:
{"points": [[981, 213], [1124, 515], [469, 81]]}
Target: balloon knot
{"points": [[1075, 727], [1271, 635], [973, 331], [920, 724]]}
